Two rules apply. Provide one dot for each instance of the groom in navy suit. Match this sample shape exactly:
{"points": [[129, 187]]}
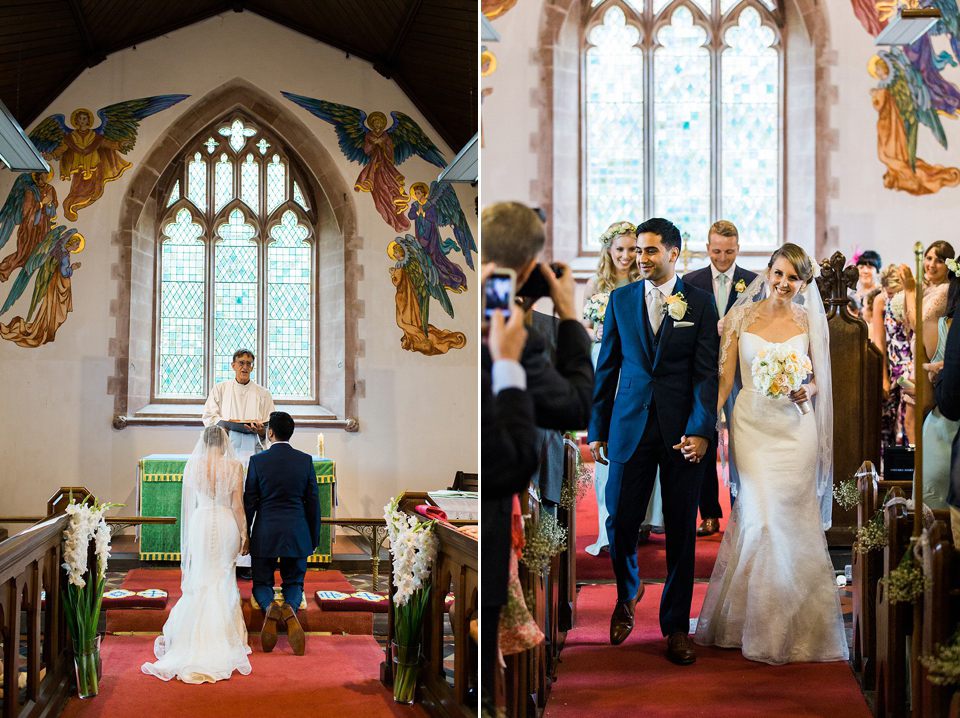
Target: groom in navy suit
{"points": [[280, 500], [660, 340]]}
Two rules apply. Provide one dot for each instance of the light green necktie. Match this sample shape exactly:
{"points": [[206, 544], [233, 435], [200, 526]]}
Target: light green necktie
{"points": [[722, 294]]}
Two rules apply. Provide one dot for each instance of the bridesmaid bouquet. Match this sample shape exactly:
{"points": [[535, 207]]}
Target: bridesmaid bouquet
{"points": [[779, 369], [596, 307]]}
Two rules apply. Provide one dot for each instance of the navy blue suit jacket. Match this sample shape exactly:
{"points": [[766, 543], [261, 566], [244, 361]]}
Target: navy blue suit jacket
{"points": [[280, 500], [703, 279], [679, 373], [946, 390]]}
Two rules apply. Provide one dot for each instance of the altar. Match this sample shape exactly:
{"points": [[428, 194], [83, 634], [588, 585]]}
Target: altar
{"points": [[159, 484]]}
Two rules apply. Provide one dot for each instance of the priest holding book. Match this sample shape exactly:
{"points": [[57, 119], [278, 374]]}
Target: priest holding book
{"points": [[242, 407]]}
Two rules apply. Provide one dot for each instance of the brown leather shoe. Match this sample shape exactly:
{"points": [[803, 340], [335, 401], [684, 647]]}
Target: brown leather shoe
{"points": [[621, 622], [268, 634], [680, 649], [298, 642], [708, 527]]}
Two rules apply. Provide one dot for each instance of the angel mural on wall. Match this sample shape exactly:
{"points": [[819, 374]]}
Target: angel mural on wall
{"points": [[90, 157], [366, 140], [903, 102], [417, 281], [32, 204], [432, 208], [52, 296]]}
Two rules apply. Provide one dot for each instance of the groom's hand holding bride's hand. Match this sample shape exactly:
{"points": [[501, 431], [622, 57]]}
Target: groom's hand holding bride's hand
{"points": [[599, 451], [692, 447]]}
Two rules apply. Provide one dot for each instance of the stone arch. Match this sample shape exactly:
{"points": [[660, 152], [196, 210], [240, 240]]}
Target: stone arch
{"points": [[338, 310], [556, 188]]}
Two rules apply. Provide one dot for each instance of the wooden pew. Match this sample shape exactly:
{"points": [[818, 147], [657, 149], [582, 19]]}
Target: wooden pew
{"points": [[567, 617], [941, 612], [867, 570], [894, 621]]}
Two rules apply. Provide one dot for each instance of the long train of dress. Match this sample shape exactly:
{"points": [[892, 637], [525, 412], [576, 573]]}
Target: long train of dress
{"points": [[772, 592]]}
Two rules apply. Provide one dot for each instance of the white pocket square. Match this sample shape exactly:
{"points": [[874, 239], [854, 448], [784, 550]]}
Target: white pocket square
{"points": [[680, 325]]}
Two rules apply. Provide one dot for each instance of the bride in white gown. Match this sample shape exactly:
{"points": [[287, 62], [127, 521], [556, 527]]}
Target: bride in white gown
{"points": [[205, 639], [773, 592]]}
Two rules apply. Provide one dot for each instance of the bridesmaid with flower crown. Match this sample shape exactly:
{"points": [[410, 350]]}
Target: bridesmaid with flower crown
{"points": [[616, 268]]}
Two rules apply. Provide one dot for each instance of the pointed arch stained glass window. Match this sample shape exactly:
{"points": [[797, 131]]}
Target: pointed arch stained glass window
{"points": [[288, 307]]}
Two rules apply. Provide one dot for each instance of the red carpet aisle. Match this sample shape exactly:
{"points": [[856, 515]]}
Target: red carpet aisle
{"points": [[312, 618], [338, 676], [651, 556], [635, 679]]}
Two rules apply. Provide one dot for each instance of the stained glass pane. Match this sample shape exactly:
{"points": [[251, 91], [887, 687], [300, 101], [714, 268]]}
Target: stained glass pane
{"points": [[263, 146], [197, 178], [276, 183], [288, 309], [223, 182], [174, 194], [705, 5], [250, 183], [658, 5], [298, 196], [614, 126], [236, 269], [681, 115], [727, 4], [238, 134], [750, 150], [211, 144], [180, 370]]}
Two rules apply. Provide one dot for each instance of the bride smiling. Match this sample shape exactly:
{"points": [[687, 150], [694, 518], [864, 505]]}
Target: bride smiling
{"points": [[772, 593]]}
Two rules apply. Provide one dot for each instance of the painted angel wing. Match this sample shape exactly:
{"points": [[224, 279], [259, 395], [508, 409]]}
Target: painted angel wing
{"points": [[409, 139], [36, 259], [450, 214], [48, 135], [347, 121], [12, 211], [424, 275], [120, 121]]}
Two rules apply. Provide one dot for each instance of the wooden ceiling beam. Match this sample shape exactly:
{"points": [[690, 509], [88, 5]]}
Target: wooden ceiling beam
{"points": [[387, 65], [93, 55]]}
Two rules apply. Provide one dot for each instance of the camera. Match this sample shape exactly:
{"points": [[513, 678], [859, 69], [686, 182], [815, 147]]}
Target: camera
{"points": [[536, 285]]}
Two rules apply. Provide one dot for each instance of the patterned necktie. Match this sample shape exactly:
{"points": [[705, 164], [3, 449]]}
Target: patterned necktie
{"points": [[722, 294], [656, 309]]}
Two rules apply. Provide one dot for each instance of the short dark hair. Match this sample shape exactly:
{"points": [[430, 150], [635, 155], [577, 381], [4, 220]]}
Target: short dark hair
{"points": [[665, 229], [870, 257], [242, 352], [512, 234], [282, 424]]}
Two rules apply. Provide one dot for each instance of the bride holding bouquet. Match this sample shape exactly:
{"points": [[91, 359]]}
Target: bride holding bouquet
{"points": [[772, 593]]}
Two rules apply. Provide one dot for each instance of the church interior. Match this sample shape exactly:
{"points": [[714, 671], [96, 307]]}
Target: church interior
{"points": [[258, 176], [825, 125]]}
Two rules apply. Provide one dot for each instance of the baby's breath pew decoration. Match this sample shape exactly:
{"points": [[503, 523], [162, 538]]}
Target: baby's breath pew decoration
{"points": [[872, 536], [847, 494], [905, 583], [943, 667], [575, 488], [544, 539]]}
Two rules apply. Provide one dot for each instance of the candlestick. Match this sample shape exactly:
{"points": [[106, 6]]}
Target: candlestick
{"points": [[320, 445]]}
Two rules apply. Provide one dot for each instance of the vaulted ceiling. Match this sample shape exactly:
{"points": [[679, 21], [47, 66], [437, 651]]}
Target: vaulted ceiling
{"points": [[428, 47]]}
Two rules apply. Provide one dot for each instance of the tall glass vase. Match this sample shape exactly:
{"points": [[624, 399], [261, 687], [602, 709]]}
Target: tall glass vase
{"points": [[406, 666], [86, 661]]}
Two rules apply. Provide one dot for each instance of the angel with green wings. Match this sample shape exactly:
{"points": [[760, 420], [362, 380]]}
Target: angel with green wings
{"points": [[903, 102], [367, 140], [417, 281], [90, 157], [431, 209]]}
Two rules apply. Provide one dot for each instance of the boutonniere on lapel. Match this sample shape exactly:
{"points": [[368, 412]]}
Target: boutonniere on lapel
{"points": [[740, 286], [675, 305]]}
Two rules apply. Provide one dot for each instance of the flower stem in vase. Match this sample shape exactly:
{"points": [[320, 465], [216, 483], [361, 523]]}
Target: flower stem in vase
{"points": [[406, 661]]}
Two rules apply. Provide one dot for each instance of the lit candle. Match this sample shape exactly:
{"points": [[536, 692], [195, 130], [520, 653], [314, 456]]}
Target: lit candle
{"points": [[320, 445]]}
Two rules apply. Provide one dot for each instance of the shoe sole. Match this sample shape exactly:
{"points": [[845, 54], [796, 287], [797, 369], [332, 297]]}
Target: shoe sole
{"points": [[298, 641], [268, 634]]}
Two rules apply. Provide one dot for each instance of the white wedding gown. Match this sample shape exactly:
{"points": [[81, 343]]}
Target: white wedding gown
{"points": [[205, 638], [773, 592]]}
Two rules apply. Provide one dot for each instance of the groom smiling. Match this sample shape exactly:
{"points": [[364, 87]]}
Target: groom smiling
{"points": [[660, 341]]}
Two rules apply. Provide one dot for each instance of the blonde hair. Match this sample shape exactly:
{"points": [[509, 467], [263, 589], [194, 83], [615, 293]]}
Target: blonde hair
{"points": [[889, 279], [606, 272], [797, 257], [724, 228]]}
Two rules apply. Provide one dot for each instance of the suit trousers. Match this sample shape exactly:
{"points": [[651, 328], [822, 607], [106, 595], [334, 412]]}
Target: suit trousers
{"points": [[292, 571], [710, 488], [629, 485]]}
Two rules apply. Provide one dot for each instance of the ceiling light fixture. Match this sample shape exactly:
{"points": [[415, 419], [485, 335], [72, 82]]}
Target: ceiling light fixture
{"points": [[16, 150], [908, 25]]}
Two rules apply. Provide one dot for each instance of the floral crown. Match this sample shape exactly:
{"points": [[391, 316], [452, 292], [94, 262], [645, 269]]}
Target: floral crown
{"points": [[953, 266], [615, 230], [816, 267]]}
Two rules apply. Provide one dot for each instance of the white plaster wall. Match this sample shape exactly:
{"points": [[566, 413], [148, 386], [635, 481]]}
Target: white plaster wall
{"points": [[862, 213], [418, 419]]}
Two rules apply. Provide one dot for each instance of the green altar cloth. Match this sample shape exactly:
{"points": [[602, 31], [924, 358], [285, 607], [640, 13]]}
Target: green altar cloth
{"points": [[159, 482]]}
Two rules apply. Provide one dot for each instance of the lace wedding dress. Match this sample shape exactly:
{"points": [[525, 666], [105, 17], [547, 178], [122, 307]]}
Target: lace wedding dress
{"points": [[772, 592], [205, 639]]}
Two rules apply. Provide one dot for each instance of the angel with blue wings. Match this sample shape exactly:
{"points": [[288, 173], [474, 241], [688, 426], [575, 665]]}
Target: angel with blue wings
{"points": [[367, 140], [417, 281], [32, 204], [435, 207], [90, 158], [52, 296], [903, 102]]}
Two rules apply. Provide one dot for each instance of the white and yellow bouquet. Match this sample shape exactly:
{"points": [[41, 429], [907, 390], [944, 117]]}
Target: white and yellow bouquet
{"points": [[596, 307], [779, 369]]}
